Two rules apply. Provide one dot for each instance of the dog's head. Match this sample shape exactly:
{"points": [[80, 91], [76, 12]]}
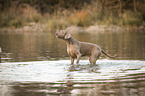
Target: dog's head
{"points": [[63, 34]]}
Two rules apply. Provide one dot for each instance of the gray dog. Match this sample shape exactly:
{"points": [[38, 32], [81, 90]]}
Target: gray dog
{"points": [[76, 49]]}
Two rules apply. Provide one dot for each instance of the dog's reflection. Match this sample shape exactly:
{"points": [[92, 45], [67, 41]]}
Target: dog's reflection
{"points": [[84, 68]]}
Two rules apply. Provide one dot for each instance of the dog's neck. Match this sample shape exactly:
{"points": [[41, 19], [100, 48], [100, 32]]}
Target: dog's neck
{"points": [[70, 41]]}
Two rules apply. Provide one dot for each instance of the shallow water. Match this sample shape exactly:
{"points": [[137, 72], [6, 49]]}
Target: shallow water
{"points": [[45, 78], [44, 46], [35, 65]]}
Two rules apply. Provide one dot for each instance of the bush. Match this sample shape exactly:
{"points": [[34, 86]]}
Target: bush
{"points": [[132, 18], [80, 18], [18, 17], [60, 18], [15, 23], [54, 23]]}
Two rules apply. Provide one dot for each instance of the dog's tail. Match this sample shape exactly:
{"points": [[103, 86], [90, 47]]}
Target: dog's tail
{"points": [[109, 55]]}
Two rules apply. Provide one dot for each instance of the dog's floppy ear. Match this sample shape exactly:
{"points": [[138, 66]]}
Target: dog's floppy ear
{"points": [[67, 36]]}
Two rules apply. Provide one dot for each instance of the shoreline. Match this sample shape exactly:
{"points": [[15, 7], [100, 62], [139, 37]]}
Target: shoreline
{"points": [[39, 28]]}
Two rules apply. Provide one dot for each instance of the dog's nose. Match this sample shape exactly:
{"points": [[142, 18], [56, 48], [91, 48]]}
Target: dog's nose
{"points": [[56, 33]]}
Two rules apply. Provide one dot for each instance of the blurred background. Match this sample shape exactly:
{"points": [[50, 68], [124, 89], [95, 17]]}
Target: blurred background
{"points": [[60, 14], [27, 27]]}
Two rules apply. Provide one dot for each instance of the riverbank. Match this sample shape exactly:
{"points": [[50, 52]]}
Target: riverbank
{"points": [[84, 16], [38, 28]]}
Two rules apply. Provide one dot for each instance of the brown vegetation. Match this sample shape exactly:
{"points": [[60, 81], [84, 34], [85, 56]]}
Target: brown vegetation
{"points": [[60, 14]]}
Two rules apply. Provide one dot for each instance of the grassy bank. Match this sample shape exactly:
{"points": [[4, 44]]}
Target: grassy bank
{"points": [[90, 14]]}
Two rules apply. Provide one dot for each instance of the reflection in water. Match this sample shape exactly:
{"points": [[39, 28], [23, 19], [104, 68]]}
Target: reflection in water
{"points": [[44, 46], [53, 78], [82, 68], [31, 47], [119, 87]]}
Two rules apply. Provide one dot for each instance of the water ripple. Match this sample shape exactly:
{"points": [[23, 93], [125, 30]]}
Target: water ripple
{"points": [[43, 78]]}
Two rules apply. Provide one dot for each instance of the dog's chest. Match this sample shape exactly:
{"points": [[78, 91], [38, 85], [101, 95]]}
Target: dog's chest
{"points": [[72, 50]]}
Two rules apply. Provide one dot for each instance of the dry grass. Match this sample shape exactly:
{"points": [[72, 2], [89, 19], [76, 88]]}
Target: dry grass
{"points": [[89, 15], [80, 18], [18, 17]]}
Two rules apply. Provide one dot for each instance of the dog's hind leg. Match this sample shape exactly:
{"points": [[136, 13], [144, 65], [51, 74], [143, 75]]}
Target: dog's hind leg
{"points": [[93, 59]]}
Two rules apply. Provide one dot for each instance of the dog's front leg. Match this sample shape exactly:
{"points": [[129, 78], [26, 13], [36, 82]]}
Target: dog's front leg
{"points": [[72, 60], [78, 57]]}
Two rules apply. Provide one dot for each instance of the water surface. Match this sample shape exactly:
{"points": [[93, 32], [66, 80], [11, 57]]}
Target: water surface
{"points": [[44, 46], [45, 78], [36, 64]]}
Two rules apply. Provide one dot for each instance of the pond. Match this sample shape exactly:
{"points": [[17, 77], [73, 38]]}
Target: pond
{"points": [[37, 64]]}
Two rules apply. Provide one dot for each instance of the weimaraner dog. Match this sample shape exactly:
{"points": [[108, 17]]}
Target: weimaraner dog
{"points": [[76, 49]]}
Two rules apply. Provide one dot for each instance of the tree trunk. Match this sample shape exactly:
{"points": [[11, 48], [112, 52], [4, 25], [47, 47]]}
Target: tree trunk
{"points": [[121, 7], [134, 5]]}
